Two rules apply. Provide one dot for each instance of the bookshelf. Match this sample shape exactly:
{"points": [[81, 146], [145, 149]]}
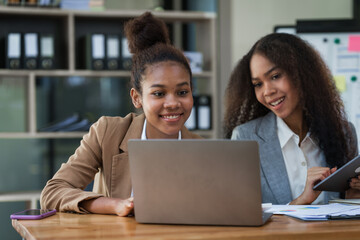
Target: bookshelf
{"points": [[27, 97], [68, 27]]}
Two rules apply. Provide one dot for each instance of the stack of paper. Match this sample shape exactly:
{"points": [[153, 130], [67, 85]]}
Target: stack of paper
{"points": [[318, 212], [347, 201]]}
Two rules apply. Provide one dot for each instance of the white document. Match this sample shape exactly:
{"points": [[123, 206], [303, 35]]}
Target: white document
{"points": [[112, 45], [125, 49], [47, 46], [316, 212], [204, 117], [31, 44], [98, 46], [14, 45]]}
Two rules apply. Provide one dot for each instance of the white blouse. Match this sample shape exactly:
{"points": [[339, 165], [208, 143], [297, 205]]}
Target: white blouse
{"points": [[298, 159]]}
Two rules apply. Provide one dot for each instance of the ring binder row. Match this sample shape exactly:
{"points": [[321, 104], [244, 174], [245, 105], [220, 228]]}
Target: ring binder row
{"points": [[97, 51], [30, 51], [200, 117], [106, 52]]}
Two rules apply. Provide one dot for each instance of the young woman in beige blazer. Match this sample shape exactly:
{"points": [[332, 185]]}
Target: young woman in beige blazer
{"points": [[162, 88]]}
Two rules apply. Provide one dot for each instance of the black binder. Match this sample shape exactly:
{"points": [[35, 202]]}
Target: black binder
{"points": [[112, 52], [31, 50], [204, 112], [95, 51], [126, 56], [13, 51], [47, 51]]}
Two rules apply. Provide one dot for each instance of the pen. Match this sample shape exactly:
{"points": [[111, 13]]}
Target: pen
{"points": [[343, 217]]}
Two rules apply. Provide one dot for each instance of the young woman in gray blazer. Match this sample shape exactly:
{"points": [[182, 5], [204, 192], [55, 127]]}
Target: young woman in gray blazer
{"points": [[162, 87], [282, 95]]}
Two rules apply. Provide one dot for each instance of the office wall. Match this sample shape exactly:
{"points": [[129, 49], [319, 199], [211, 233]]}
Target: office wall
{"points": [[252, 19]]}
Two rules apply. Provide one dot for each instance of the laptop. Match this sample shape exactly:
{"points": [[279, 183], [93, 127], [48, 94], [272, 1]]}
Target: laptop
{"points": [[200, 182]]}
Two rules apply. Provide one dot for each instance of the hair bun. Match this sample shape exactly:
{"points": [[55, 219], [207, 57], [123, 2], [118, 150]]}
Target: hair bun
{"points": [[145, 31]]}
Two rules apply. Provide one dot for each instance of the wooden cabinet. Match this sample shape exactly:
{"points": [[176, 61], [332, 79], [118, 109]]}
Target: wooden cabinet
{"points": [[34, 103]]}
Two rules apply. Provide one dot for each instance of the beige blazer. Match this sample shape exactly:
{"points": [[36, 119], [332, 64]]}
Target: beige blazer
{"points": [[103, 157]]}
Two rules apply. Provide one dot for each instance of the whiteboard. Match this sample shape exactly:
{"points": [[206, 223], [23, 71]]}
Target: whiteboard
{"points": [[341, 52]]}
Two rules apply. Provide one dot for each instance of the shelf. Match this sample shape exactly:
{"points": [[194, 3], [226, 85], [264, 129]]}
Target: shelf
{"points": [[32, 100], [69, 29]]}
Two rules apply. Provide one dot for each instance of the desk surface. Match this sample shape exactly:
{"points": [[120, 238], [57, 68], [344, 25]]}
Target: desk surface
{"points": [[94, 226]]}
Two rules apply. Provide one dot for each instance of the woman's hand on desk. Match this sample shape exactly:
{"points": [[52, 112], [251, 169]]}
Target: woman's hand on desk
{"points": [[314, 175], [105, 205], [124, 207]]}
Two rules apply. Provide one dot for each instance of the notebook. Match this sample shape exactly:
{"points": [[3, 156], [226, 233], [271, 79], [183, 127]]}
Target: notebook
{"points": [[200, 182]]}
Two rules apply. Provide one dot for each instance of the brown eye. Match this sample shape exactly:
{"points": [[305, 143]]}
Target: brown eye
{"points": [[183, 92], [256, 85], [158, 94], [275, 76]]}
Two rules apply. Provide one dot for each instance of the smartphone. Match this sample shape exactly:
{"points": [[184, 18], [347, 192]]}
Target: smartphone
{"points": [[33, 214]]}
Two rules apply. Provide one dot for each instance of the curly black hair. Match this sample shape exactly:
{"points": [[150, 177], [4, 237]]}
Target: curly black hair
{"points": [[322, 106]]}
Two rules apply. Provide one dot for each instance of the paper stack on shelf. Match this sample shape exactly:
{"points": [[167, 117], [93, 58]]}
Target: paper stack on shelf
{"points": [[69, 124]]}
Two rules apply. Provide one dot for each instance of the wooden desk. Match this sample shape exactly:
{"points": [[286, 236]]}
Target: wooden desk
{"points": [[93, 226]]}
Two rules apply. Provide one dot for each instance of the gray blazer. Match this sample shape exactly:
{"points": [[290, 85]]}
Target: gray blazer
{"points": [[275, 185]]}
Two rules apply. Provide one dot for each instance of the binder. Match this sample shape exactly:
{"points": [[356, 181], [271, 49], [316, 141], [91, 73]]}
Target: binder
{"points": [[31, 51], [112, 52], [95, 51], [13, 51], [191, 122], [125, 55], [204, 112], [47, 51]]}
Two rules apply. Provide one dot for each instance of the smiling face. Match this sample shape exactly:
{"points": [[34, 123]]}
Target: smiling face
{"points": [[166, 99], [274, 90]]}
